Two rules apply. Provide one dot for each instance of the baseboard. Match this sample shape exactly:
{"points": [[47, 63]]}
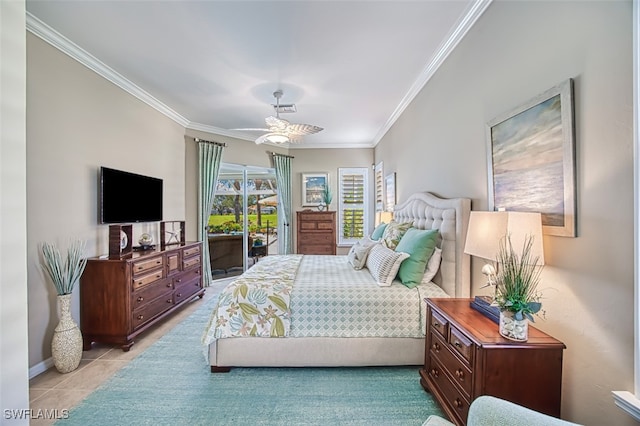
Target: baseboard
{"points": [[40, 368]]}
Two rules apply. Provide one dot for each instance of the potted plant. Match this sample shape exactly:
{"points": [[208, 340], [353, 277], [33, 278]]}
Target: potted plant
{"points": [[66, 345], [517, 294], [326, 197]]}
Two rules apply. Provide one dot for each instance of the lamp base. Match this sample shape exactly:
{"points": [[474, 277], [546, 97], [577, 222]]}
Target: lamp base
{"points": [[482, 304]]}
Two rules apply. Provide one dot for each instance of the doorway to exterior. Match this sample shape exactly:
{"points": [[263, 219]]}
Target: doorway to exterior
{"points": [[243, 221]]}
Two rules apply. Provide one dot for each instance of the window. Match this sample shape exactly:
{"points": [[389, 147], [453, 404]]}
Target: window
{"points": [[353, 216]]}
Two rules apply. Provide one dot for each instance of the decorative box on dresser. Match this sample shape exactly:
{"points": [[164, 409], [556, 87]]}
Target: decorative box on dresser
{"points": [[121, 298], [466, 357], [316, 232]]}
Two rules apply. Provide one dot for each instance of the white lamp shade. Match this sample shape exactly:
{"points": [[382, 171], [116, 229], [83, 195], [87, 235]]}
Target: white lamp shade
{"points": [[487, 229]]}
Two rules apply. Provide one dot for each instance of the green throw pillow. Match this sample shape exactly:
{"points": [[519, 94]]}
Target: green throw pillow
{"points": [[377, 233], [419, 244]]}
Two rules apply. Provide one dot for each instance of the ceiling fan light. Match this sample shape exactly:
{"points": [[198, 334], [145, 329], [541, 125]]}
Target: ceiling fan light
{"points": [[277, 138]]}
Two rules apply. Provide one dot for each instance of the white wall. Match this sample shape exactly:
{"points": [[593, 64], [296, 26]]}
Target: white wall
{"points": [[515, 51], [78, 121], [14, 390]]}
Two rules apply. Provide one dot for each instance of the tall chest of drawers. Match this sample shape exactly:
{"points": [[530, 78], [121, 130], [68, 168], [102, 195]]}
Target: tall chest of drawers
{"points": [[316, 232], [466, 357], [120, 298]]}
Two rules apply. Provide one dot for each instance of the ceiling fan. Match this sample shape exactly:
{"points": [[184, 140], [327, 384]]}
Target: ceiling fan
{"points": [[281, 131]]}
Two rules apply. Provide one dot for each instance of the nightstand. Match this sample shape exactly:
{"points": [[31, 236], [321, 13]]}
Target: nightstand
{"points": [[466, 357]]}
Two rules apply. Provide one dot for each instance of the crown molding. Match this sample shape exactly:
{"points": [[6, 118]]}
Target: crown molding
{"points": [[464, 25], [57, 40]]}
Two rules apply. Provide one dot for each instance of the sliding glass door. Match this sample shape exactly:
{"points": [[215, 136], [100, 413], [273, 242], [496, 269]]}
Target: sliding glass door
{"points": [[243, 221]]}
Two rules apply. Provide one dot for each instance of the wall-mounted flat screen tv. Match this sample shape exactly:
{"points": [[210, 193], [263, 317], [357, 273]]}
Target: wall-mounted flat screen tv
{"points": [[127, 197]]}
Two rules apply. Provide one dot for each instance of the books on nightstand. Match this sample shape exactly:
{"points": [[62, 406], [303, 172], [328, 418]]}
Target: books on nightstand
{"points": [[482, 304]]}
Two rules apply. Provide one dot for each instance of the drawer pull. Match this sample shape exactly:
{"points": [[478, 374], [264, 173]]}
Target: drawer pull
{"points": [[457, 403], [459, 374], [436, 324], [434, 372], [140, 317], [179, 295], [169, 285], [140, 298], [158, 262], [169, 301], [179, 280], [457, 344], [140, 268], [436, 347]]}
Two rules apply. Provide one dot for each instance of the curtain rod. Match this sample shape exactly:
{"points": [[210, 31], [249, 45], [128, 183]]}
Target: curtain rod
{"points": [[211, 142], [282, 155]]}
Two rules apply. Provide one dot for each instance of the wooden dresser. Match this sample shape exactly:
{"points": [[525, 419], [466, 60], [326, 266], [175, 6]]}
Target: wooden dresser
{"points": [[466, 357], [120, 298], [316, 232]]}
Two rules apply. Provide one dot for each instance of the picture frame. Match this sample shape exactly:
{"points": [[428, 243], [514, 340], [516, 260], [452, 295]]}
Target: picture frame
{"points": [[390, 191], [531, 160], [379, 186], [313, 184]]}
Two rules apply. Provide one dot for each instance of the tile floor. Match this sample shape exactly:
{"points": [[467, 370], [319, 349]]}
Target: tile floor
{"points": [[56, 392]]}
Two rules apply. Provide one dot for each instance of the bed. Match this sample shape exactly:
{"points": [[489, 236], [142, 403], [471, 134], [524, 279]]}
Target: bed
{"points": [[319, 297]]}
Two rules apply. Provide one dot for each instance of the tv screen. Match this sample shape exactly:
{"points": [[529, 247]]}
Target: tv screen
{"points": [[128, 197]]}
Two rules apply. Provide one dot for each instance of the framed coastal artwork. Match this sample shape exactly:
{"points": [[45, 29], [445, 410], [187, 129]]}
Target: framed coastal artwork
{"points": [[313, 185], [531, 160]]}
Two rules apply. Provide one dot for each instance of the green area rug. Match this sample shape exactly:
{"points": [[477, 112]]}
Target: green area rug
{"points": [[171, 384]]}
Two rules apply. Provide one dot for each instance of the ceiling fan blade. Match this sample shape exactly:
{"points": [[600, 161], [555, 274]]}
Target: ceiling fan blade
{"points": [[303, 129], [276, 124], [261, 139]]}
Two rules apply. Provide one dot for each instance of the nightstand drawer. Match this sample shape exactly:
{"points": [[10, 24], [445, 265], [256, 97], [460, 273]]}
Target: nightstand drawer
{"points": [[439, 323], [461, 344], [458, 403], [458, 372]]}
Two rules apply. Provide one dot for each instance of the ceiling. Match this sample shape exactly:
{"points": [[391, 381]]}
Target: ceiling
{"points": [[350, 67]]}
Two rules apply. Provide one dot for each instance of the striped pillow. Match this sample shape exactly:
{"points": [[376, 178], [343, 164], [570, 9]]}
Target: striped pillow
{"points": [[383, 264]]}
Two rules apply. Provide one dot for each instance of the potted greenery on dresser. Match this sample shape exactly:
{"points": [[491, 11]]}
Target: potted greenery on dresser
{"points": [[66, 345], [517, 293]]}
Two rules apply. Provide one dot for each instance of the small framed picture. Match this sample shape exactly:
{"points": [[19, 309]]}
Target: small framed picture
{"points": [[390, 191], [313, 185]]}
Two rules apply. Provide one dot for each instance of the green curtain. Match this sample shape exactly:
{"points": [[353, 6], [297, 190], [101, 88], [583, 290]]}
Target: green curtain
{"points": [[282, 164], [209, 158]]}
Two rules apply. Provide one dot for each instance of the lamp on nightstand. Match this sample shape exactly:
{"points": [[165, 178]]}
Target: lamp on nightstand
{"points": [[484, 233]]}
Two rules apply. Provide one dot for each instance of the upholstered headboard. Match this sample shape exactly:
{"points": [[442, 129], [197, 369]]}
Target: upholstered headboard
{"points": [[451, 217]]}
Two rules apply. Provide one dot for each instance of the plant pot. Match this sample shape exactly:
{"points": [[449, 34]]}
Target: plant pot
{"points": [[66, 345], [512, 328]]}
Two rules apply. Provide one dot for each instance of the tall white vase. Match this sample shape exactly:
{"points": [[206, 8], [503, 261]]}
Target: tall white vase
{"points": [[66, 345]]}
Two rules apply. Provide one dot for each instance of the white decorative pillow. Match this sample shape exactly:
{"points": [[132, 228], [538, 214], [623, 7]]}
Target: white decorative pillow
{"points": [[358, 252], [383, 264], [432, 266]]}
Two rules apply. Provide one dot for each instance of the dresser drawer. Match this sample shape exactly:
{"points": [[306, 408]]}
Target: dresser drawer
{"points": [[317, 238], [316, 217], [145, 280], [151, 310], [461, 344], [142, 266], [185, 290], [150, 292], [191, 262], [457, 402], [439, 323], [191, 275], [458, 372], [191, 251], [316, 249]]}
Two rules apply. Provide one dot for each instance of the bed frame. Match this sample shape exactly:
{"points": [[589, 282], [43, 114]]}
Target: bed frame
{"points": [[426, 211]]}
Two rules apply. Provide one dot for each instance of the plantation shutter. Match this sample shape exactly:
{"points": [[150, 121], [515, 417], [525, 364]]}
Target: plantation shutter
{"points": [[353, 200]]}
